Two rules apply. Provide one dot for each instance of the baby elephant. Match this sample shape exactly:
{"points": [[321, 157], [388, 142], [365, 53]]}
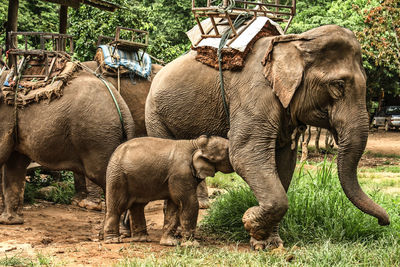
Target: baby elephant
{"points": [[146, 169]]}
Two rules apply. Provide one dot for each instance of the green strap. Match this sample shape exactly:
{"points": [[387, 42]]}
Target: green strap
{"points": [[116, 105], [106, 83], [224, 39]]}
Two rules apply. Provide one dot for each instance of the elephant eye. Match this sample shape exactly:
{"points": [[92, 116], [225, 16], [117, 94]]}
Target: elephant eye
{"points": [[336, 88]]}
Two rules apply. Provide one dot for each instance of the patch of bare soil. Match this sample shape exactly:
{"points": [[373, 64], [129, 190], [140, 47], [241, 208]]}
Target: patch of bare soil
{"points": [[383, 142], [382, 149], [70, 235]]}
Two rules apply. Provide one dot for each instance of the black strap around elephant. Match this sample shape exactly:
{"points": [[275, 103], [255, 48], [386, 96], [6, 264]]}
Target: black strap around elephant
{"points": [[224, 39]]}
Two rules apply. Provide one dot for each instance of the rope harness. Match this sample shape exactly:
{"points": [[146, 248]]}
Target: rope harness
{"points": [[239, 21]]}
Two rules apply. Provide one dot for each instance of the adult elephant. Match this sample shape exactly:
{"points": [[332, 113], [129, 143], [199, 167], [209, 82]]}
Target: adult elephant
{"points": [[77, 132], [314, 78], [134, 92]]}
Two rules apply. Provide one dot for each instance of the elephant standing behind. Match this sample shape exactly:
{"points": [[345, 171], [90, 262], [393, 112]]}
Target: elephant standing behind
{"points": [[314, 78], [77, 132], [134, 92]]}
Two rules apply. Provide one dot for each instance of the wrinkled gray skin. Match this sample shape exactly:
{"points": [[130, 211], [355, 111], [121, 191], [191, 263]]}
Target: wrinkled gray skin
{"points": [[146, 169], [315, 78], [135, 97], [77, 132]]}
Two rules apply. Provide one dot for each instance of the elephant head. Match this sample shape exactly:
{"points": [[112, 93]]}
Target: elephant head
{"points": [[211, 156], [319, 78]]}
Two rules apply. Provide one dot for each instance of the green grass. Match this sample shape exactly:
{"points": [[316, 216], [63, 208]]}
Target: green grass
{"points": [[225, 181], [318, 210], [324, 253], [320, 219], [389, 168], [16, 260], [381, 155]]}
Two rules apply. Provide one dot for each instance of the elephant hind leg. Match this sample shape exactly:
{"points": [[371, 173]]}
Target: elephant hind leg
{"points": [[116, 203], [13, 174], [138, 223], [112, 219]]}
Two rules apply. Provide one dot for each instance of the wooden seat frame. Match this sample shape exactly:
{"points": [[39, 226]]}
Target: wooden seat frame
{"points": [[58, 44], [274, 11]]}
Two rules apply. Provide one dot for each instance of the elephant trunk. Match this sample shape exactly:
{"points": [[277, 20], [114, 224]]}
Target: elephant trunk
{"points": [[352, 139]]}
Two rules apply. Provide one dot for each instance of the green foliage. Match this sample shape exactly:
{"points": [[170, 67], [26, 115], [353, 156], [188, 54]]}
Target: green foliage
{"points": [[224, 218], [380, 40], [166, 20], [63, 191], [33, 15], [318, 211]]}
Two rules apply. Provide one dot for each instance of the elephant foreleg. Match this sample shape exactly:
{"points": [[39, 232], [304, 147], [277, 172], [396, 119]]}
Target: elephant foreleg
{"points": [[285, 163], [171, 221], [252, 154], [13, 172], [202, 195], [1, 191]]}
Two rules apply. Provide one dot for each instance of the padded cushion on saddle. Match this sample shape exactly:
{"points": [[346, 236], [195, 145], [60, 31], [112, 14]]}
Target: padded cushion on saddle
{"points": [[234, 56], [32, 90], [138, 63]]}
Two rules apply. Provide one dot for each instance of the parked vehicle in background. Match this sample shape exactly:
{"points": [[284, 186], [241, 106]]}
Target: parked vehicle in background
{"points": [[388, 117]]}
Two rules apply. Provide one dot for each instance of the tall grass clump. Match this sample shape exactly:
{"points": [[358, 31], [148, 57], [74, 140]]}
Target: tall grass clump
{"points": [[318, 210]]}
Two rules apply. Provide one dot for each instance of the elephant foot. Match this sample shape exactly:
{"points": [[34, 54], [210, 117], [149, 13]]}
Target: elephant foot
{"points": [[178, 232], [124, 230], [7, 218], [168, 241], [204, 203], [112, 239], [271, 243], [141, 238], [87, 203]]}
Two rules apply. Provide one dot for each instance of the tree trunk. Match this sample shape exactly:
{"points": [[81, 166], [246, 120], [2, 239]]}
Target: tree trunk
{"points": [[63, 19], [12, 24], [304, 145], [328, 142], [318, 135]]}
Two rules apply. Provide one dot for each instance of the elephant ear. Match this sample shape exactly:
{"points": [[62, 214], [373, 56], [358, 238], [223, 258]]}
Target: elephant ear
{"points": [[202, 167], [284, 66]]}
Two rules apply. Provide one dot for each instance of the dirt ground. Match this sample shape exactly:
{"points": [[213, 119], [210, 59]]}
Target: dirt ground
{"points": [[69, 234]]}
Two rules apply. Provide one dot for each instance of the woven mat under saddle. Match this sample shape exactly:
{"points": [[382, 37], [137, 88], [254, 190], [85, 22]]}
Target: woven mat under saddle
{"points": [[105, 69], [127, 62], [32, 90], [234, 56]]}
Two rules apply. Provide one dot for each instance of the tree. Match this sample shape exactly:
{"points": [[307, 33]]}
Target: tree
{"points": [[380, 39]]}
